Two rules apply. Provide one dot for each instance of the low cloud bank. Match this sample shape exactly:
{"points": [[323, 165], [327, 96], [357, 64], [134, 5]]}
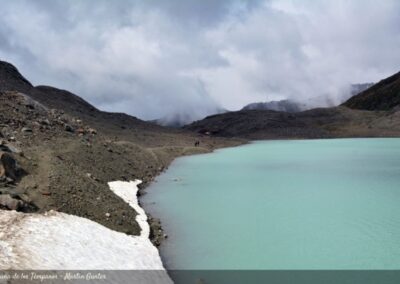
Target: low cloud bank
{"points": [[156, 59]]}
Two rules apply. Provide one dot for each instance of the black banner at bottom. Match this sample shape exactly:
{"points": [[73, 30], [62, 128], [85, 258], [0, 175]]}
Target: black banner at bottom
{"points": [[202, 276]]}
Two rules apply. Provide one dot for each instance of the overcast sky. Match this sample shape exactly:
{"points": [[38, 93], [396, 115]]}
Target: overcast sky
{"points": [[153, 58]]}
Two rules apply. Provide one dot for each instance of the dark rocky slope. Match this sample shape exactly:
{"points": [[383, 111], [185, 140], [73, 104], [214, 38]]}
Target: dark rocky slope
{"points": [[384, 95], [282, 105], [316, 123], [11, 79]]}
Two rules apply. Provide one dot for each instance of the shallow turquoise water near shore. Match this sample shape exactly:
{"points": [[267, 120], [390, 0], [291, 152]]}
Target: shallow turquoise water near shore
{"points": [[305, 204]]}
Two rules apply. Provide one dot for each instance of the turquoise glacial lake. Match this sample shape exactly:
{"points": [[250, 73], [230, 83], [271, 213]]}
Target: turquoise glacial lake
{"points": [[303, 204]]}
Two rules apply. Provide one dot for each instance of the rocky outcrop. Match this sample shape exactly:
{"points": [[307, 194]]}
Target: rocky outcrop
{"points": [[384, 95]]}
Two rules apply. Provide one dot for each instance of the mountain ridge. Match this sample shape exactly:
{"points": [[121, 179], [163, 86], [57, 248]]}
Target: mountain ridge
{"points": [[385, 95], [282, 105], [341, 121], [12, 79]]}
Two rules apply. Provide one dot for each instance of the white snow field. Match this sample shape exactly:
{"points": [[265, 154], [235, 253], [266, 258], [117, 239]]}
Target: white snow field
{"points": [[58, 241]]}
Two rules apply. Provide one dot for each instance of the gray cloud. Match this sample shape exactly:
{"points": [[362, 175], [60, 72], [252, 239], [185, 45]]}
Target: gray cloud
{"points": [[157, 58]]}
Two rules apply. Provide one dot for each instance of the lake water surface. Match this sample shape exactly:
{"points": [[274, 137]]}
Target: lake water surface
{"points": [[307, 204]]}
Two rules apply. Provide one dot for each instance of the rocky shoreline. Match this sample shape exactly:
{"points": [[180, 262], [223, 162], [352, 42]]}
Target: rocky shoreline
{"points": [[157, 232]]}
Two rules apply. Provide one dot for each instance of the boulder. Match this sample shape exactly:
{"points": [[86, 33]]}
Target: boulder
{"points": [[26, 130], [45, 122], [68, 128], [8, 166], [7, 202], [8, 147]]}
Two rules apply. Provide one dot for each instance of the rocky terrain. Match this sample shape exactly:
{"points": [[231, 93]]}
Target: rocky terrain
{"points": [[58, 152], [385, 95]]}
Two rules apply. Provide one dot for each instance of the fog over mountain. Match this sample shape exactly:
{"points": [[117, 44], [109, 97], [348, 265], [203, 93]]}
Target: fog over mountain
{"points": [[301, 105], [179, 58]]}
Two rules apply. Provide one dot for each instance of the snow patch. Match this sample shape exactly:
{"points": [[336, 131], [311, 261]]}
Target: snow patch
{"points": [[58, 241]]}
